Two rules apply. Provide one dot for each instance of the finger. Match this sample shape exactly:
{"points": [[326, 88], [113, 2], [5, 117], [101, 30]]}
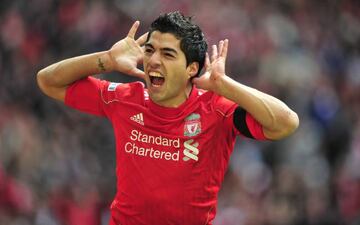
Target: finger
{"points": [[142, 39], [207, 61], [221, 45], [214, 53], [133, 29], [224, 51]]}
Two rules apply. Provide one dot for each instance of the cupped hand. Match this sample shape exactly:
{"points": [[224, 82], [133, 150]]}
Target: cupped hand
{"points": [[127, 53], [214, 68]]}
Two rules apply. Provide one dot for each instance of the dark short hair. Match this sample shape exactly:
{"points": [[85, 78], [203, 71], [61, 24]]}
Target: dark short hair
{"points": [[192, 39]]}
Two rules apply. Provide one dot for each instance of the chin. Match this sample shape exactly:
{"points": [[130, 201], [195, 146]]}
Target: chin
{"points": [[156, 97]]}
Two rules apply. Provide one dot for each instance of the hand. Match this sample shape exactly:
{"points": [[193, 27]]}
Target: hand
{"points": [[214, 69], [127, 53]]}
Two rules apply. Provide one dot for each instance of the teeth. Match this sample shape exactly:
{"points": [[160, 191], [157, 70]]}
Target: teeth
{"points": [[155, 74]]}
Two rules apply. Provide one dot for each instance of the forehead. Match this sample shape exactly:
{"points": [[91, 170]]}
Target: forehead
{"points": [[164, 40]]}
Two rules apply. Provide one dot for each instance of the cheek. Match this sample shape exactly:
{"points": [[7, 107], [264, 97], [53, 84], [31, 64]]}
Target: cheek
{"points": [[179, 80], [179, 74]]}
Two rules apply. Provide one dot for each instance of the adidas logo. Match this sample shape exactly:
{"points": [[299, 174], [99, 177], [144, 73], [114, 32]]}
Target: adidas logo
{"points": [[138, 118]]}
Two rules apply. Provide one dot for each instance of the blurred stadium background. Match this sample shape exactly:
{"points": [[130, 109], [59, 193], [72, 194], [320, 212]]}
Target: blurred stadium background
{"points": [[57, 165]]}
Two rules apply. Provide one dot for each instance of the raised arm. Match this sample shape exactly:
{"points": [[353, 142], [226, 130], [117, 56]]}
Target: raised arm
{"points": [[277, 119], [123, 57]]}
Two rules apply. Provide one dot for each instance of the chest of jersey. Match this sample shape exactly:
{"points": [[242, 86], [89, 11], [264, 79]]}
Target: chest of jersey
{"points": [[145, 136]]}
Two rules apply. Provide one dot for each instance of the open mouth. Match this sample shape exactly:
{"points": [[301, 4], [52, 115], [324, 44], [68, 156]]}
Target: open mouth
{"points": [[156, 79]]}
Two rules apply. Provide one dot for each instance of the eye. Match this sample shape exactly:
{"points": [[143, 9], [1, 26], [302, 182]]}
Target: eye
{"points": [[169, 55], [149, 50]]}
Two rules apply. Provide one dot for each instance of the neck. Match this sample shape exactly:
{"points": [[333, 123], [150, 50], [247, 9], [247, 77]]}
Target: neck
{"points": [[179, 100]]}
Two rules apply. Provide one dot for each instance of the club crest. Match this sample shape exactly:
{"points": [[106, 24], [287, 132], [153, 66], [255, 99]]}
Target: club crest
{"points": [[192, 125]]}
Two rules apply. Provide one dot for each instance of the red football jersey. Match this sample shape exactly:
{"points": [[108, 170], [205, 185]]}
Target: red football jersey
{"points": [[170, 162]]}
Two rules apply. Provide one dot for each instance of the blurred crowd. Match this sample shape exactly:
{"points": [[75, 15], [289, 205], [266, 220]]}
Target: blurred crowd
{"points": [[57, 165]]}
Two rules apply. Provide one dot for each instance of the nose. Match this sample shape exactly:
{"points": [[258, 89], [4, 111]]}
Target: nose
{"points": [[154, 60]]}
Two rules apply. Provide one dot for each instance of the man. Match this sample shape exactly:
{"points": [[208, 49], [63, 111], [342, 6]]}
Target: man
{"points": [[173, 140]]}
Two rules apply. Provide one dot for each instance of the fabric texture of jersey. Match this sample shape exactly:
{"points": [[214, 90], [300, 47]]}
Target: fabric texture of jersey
{"points": [[170, 162]]}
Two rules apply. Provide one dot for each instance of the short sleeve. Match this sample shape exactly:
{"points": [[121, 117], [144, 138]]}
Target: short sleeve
{"points": [[85, 95], [241, 122], [255, 128]]}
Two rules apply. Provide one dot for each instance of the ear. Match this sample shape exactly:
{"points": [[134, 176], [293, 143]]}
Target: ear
{"points": [[192, 69]]}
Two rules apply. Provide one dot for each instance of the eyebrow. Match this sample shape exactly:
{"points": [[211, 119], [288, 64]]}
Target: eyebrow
{"points": [[163, 49]]}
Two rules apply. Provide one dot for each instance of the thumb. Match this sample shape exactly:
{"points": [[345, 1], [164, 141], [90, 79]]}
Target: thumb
{"points": [[195, 80], [199, 82], [138, 73]]}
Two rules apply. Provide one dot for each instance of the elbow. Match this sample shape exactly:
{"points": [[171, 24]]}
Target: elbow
{"points": [[286, 125], [289, 125], [50, 84], [292, 123], [46, 85], [41, 81]]}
